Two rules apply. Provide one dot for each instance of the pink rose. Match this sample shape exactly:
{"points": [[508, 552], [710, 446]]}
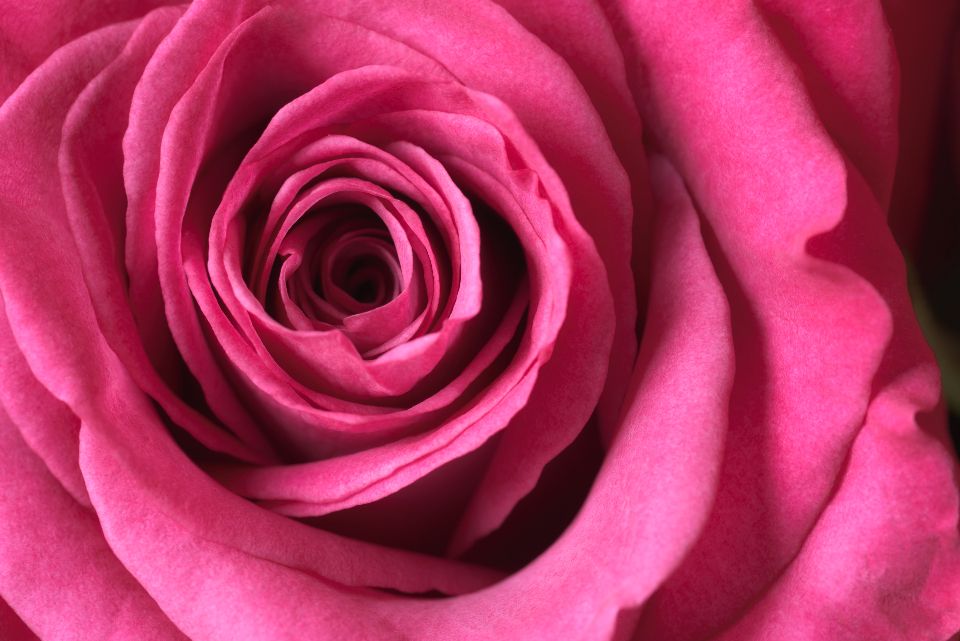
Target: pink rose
{"points": [[462, 320]]}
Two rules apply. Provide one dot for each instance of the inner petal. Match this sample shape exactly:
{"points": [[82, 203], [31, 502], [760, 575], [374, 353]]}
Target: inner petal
{"points": [[359, 272]]}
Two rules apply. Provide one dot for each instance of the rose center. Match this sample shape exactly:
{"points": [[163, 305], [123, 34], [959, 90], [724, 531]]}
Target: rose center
{"points": [[362, 273]]}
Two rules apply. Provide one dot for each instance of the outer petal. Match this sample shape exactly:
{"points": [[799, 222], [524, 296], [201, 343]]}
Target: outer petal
{"points": [[51, 546], [883, 560], [32, 30], [47, 425], [803, 255], [579, 31], [56, 570]]}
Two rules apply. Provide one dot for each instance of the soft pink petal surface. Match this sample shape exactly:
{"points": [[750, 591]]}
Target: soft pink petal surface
{"points": [[775, 465]]}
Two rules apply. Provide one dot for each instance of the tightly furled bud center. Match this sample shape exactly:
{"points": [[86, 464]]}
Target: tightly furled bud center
{"points": [[348, 256]]}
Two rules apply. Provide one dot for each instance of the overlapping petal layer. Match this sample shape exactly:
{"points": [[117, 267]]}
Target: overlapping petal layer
{"points": [[328, 267]]}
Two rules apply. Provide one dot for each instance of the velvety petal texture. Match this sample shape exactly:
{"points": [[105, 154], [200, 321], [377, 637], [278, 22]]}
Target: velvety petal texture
{"points": [[481, 320]]}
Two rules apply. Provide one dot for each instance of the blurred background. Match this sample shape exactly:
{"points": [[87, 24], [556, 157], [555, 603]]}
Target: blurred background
{"points": [[925, 205]]}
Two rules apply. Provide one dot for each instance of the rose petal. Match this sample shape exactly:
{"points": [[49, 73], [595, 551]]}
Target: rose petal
{"points": [[28, 39], [48, 426], [811, 333], [73, 361], [581, 33], [55, 567], [842, 54], [643, 513], [883, 560], [90, 190], [569, 133], [617, 551]]}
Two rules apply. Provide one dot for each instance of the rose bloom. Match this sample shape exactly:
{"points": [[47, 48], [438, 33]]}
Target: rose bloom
{"points": [[465, 320]]}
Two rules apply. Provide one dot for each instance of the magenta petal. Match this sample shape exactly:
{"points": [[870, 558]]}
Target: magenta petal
{"points": [[90, 163], [27, 36], [146, 473], [810, 273], [56, 570], [271, 272], [644, 512], [13, 626], [47, 425], [567, 132], [883, 560]]}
